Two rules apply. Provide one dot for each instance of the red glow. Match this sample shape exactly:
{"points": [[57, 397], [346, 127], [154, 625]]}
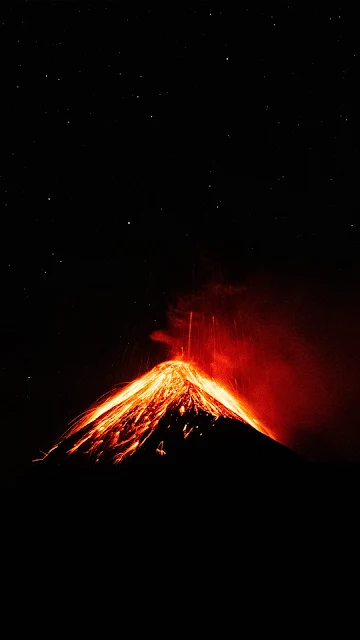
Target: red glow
{"points": [[290, 349], [287, 356]]}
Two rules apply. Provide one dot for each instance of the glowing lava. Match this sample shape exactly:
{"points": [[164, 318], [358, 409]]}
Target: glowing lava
{"points": [[123, 422]]}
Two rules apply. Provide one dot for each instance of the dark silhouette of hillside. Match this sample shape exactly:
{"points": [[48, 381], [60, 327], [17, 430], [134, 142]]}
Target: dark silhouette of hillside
{"points": [[221, 452]]}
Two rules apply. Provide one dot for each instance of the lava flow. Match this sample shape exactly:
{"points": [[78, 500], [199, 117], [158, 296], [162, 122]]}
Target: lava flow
{"points": [[122, 423]]}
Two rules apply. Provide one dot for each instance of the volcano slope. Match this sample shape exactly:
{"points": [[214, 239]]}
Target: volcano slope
{"points": [[173, 423], [190, 445]]}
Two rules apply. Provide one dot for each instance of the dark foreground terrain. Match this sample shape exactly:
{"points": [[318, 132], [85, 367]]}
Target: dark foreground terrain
{"points": [[226, 470], [205, 497]]}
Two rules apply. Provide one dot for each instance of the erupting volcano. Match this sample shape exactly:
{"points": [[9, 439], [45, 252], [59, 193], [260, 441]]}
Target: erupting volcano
{"points": [[174, 391]]}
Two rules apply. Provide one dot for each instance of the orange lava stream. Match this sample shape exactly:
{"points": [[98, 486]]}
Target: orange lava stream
{"points": [[124, 421]]}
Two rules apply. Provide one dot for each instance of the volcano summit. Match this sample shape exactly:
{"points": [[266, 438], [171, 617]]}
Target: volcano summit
{"points": [[167, 403]]}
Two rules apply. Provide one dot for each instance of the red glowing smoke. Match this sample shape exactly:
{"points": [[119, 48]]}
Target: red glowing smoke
{"points": [[292, 352]]}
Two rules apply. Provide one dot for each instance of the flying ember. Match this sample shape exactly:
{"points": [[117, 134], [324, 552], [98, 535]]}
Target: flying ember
{"points": [[122, 423]]}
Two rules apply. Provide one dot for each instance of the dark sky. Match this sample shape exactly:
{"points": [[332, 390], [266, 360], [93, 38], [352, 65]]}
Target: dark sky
{"points": [[147, 147]]}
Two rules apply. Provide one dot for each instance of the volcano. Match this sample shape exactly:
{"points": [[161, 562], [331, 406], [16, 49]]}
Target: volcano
{"points": [[173, 413]]}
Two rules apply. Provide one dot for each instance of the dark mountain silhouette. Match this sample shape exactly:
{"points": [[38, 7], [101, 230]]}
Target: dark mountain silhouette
{"points": [[223, 448]]}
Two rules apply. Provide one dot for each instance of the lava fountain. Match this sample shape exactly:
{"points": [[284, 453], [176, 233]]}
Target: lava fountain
{"points": [[122, 422]]}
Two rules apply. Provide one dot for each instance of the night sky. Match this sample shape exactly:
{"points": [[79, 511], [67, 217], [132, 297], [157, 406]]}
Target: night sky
{"points": [[148, 148]]}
